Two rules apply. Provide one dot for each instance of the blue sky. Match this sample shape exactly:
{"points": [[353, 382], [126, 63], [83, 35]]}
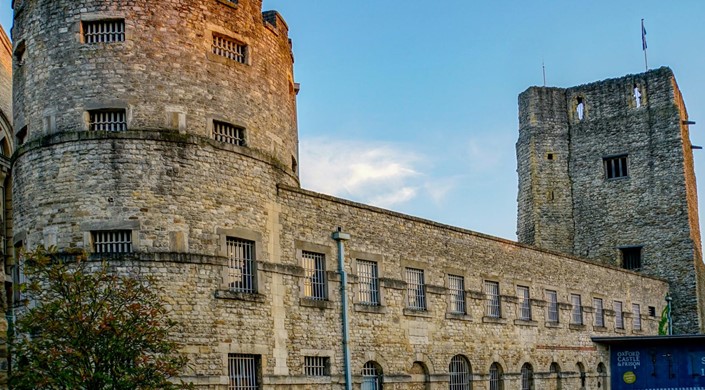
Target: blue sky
{"points": [[412, 105]]}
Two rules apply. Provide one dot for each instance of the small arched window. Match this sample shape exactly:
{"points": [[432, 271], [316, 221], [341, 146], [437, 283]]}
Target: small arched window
{"points": [[581, 370], [371, 376], [496, 374], [527, 377], [601, 376], [460, 373], [555, 369]]}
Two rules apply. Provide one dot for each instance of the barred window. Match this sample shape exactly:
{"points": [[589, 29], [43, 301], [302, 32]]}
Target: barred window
{"points": [[243, 372], [524, 303], [460, 373], [496, 380], [241, 257], [230, 134], [631, 258], [369, 282], [104, 31], [415, 289], [316, 365], [599, 312], [456, 285], [314, 275], [107, 120], [616, 167], [618, 315], [636, 315], [229, 48], [493, 308], [371, 376], [577, 312], [112, 241], [552, 298], [527, 377]]}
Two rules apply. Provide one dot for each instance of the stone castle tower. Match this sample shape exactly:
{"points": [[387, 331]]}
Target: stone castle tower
{"points": [[606, 173]]}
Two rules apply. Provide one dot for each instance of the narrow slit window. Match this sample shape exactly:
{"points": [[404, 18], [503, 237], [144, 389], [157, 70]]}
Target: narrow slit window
{"points": [[229, 48], [616, 167], [580, 108], [230, 134], [112, 241], [104, 31], [107, 120], [637, 96]]}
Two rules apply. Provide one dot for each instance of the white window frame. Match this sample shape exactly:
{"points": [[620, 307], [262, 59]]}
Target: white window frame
{"points": [[599, 310], [368, 282], [523, 293], [456, 287], [493, 307], [552, 312], [415, 289], [576, 313], [636, 316], [618, 314]]}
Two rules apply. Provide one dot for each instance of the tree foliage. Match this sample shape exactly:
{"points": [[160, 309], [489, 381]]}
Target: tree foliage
{"points": [[85, 327]]}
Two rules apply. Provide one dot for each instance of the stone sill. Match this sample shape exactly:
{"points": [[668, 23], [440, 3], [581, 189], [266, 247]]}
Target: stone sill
{"points": [[620, 330], [228, 3], [375, 309], [525, 322], [550, 324], [458, 316], [239, 296], [494, 320], [576, 326], [417, 313], [320, 304], [599, 328], [637, 331]]}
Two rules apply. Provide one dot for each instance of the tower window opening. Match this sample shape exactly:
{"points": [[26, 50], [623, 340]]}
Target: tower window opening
{"points": [[631, 258], [616, 167], [107, 120], [229, 48], [230, 134], [637, 96], [652, 311], [580, 108], [22, 135], [112, 241], [104, 31], [549, 156]]}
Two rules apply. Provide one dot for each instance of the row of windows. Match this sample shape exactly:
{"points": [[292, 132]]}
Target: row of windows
{"points": [[580, 102], [244, 372]]}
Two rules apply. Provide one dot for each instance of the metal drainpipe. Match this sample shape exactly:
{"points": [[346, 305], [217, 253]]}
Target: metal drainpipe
{"points": [[339, 237], [670, 325]]}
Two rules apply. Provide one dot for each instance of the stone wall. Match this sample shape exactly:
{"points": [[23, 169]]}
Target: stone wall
{"points": [[654, 207], [5, 76]]}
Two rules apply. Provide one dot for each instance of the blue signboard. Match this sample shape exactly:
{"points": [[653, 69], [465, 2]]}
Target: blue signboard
{"points": [[658, 367]]}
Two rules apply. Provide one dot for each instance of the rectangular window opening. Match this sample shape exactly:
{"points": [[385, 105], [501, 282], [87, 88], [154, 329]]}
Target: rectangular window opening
{"points": [[230, 134], [316, 365], [636, 316], [618, 315], [229, 48], [599, 312], [524, 303], [241, 257], [577, 311], [112, 241], [552, 298], [104, 31], [631, 258], [616, 167], [243, 372], [456, 285], [107, 120], [652, 311], [314, 275], [415, 289], [493, 307], [368, 279]]}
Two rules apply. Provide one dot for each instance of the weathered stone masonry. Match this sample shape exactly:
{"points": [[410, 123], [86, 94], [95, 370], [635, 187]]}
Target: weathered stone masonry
{"points": [[181, 194]]}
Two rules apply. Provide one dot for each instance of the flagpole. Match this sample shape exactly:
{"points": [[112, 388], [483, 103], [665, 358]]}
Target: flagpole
{"points": [[543, 66], [643, 45]]}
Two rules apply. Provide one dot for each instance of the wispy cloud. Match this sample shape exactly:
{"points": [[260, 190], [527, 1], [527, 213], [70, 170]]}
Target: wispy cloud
{"points": [[487, 152], [382, 174]]}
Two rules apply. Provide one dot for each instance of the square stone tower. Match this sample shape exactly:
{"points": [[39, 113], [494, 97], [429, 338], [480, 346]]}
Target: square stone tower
{"points": [[606, 173]]}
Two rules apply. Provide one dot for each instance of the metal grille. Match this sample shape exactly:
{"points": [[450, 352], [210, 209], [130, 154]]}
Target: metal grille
{"points": [[415, 290], [631, 258], [524, 303], [107, 120], [599, 312], [527, 377], [371, 377], [241, 255], [369, 282], [316, 365], [104, 31], [456, 285], [496, 382], [242, 371], [493, 303], [552, 298], [314, 275], [616, 167], [112, 241], [459, 370], [225, 132], [229, 48], [618, 315], [577, 312]]}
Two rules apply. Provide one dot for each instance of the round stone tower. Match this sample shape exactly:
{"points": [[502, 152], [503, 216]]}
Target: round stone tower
{"points": [[165, 121]]}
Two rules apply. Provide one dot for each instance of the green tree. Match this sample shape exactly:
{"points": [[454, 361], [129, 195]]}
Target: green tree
{"points": [[85, 327]]}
